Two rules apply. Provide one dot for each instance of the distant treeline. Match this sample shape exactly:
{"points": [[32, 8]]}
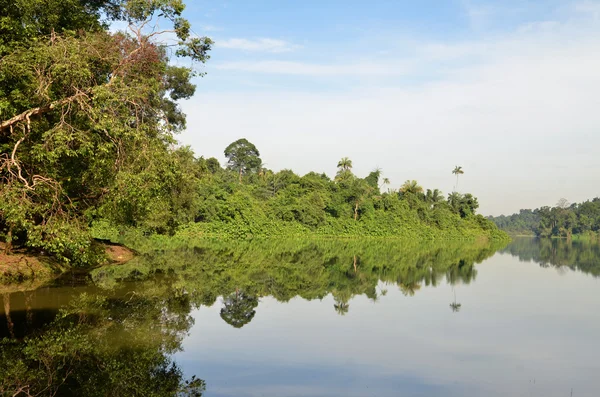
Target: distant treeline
{"points": [[562, 220]]}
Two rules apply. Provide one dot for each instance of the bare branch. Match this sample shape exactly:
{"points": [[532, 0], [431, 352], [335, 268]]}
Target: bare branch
{"points": [[26, 115]]}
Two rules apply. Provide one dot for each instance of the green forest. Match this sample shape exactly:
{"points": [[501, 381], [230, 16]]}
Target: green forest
{"points": [[562, 220], [88, 120]]}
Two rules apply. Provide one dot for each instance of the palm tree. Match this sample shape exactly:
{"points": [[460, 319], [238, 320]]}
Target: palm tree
{"points": [[345, 164], [385, 182], [457, 171], [434, 197], [411, 187]]}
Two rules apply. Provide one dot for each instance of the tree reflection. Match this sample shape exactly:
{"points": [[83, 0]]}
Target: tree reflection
{"points": [[242, 272], [103, 345], [409, 289], [583, 255], [238, 309], [455, 307]]}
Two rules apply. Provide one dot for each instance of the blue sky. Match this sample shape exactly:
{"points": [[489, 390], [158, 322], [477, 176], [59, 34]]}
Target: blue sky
{"points": [[506, 89]]}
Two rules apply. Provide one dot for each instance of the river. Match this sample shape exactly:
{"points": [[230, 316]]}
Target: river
{"points": [[315, 318]]}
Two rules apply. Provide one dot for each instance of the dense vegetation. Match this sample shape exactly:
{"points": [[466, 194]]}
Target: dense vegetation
{"points": [[249, 201], [562, 220], [87, 117], [87, 123]]}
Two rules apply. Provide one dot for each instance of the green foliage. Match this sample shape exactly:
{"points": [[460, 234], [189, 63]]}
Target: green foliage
{"points": [[285, 204], [243, 157], [562, 220], [87, 118]]}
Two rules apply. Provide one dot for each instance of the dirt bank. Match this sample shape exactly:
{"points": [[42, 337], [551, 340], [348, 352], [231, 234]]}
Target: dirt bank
{"points": [[20, 267]]}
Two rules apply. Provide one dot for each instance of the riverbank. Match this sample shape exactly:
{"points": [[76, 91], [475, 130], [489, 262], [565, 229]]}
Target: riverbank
{"points": [[23, 267], [20, 267]]}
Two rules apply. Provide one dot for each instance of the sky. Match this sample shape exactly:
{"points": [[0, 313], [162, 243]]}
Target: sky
{"points": [[509, 90]]}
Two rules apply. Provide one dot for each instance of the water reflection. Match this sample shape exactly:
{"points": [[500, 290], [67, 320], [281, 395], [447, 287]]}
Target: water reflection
{"points": [[576, 255], [113, 332], [290, 311], [109, 343], [246, 271], [238, 309]]}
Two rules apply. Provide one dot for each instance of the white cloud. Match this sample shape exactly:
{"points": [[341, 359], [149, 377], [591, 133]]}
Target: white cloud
{"points": [[315, 69], [257, 45]]}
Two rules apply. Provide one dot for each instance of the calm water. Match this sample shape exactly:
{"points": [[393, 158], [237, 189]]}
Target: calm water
{"points": [[316, 319]]}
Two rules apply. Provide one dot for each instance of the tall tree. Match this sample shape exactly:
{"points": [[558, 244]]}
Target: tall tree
{"points": [[344, 172], [345, 164], [385, 182], [242, 156], [457, 171]]}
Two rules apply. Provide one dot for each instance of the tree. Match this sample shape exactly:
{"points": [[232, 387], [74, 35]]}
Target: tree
{"points": [[434, 197], [344, 173], [563, 203], [243, 157], [213, 165], [373, 178], [385, 182], [411, 187], [345, 164], [86, 114], [464, 205], [457, 171]]}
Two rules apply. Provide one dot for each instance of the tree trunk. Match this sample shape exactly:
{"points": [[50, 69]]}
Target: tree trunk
{"points": [[356, 211], [354, 263], [8, 246], [240, 175]]}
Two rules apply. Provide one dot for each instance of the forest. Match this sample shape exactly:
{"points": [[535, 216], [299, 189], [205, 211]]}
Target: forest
{"points": [[88, 122], [562, 220]]}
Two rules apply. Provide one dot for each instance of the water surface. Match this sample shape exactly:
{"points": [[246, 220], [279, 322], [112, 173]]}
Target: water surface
{"points": [[326, 318]]}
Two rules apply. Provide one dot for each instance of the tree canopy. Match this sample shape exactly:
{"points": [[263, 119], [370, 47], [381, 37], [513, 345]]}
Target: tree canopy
{"points": [[562, 220], [87, 117], [243, 157]]}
